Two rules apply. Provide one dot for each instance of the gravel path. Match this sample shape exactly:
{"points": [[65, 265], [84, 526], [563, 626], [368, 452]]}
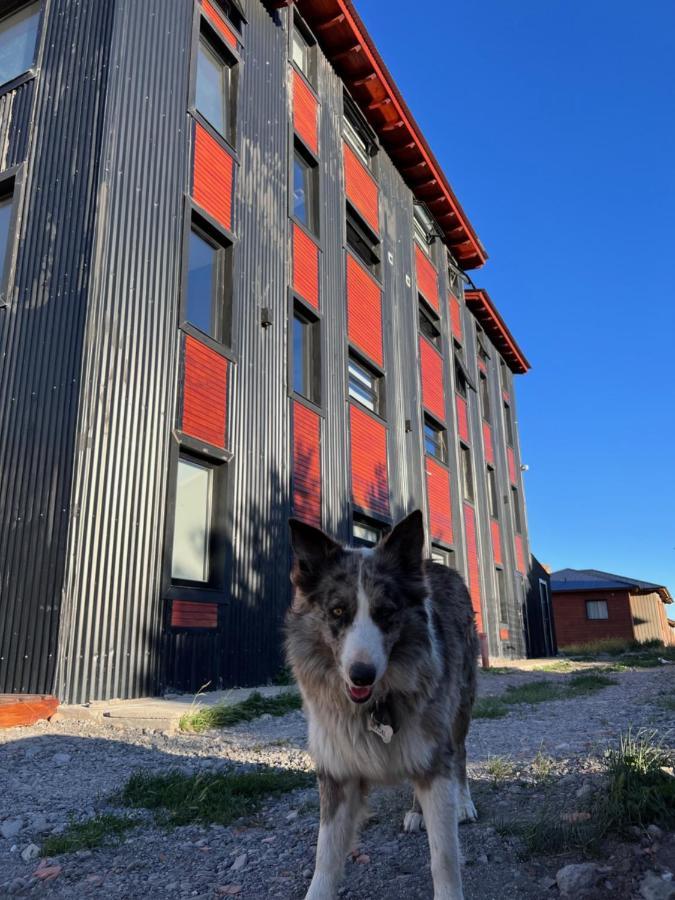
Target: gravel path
{"points": [[51, 773]]}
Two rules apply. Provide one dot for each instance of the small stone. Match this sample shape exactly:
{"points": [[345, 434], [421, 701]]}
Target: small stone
{"points": [[362, 859], [654, 888], [46, 872], [94, 880], [11, 827], [32, 851], [576, 877], [266, 717], [61, 759], [31, 752], [307, 873], [38, 823], [229, 890], [171, 886], [292, 816], [573, 818], [547, 882], [239, 862], [655, 832], [482, 858]]}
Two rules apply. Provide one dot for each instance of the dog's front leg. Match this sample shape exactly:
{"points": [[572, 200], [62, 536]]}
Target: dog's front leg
{"points": [[340, 808], [438, 799]]}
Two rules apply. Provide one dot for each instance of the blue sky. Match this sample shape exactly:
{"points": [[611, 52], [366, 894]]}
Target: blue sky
{"points": [[555, 123]]}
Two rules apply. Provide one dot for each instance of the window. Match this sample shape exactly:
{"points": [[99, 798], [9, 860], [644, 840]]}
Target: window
{"points": [[428, 324], [442, 556], [484, 397], [213, 87], [517, 519], [18, 40], [467, 473], [508, 424], [454, 278], [435, 443], [501, 597], [504, 375], [423, 227], [306, 355], [207, 303], [190, 560], [306, 191], [302, 52], [481, 345], [358, 133], [362, 243], [365, 533], [463, 380], [365, 386], [5, 221], [493, 495], [596, 609]]}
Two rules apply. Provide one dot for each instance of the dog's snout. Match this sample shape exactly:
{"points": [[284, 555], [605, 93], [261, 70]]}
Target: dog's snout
{"points": [[362, 674]]}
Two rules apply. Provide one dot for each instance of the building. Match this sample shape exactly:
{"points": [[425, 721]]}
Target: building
{"points": [[234, 288], [589, 605], [539, 625]]}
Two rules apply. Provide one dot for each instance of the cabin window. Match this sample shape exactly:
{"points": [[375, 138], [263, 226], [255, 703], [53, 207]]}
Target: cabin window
{"points": [[306, 191], [596, 609], [190, 559], [365, 386], [18, 41]]}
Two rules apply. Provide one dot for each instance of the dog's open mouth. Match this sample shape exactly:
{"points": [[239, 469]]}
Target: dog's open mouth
{"points": [[359, 694]]}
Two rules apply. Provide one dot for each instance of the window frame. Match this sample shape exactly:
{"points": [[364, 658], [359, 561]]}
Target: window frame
{"points": [[196, 220], [509, 429], [313, 225], [446, 554], [300, 310], [358, 134], [11, 188], [440, 452], [598, 604], [424, 232], [463, 380], [365, 234], [492, 492], [300, 27], [484, 394], [516, 510], [467, 475], [29, 73], [426, 315], [204, 30], [367, 523], [502, 600], [377, 378]]}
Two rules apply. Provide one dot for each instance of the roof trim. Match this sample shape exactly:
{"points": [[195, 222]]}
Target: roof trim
{"points": [[350, 49], [485, 311]]}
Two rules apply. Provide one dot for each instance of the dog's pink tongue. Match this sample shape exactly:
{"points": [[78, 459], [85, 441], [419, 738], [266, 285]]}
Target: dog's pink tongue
{"points": [[359, 692]]}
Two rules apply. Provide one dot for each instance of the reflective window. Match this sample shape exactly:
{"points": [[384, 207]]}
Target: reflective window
{"points": [[485, 397], [517, 520], [596, 609], [213, 87], [18, 38], [364, 534], [493, 495], [467, 473], [192, 522], [364, 385], [305, 191], [428, 326], [434, 440], [306, 363], [443, 557], [501, 597], [302, 54], [203, 284], [5, 218]]}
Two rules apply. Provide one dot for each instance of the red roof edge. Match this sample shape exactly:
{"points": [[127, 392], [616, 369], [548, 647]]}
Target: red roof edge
{"points": [[486, 312], [350, 49]]}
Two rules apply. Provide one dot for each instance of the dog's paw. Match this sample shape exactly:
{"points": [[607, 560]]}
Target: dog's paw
{"points": [[466, 812], [413, 821]]}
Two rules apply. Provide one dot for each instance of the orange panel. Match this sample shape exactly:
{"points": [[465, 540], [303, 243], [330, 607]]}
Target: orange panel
{"points": [[431, 364], [503, 634], [305, 109], [427, 278], [219, 23], [361, 189], [462, 419], [305, 266], [204, 393], [496, 542], [520, 555], [306, 464], [25, 709], [472, 559], [190, 614], [364, 305], [487, 443], [512, 464], [438, 495], [212, 177], [370, 478], [456, 317]]}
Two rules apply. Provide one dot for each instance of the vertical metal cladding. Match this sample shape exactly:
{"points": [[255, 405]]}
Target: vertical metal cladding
{"points": [[54, 123], [111, 621]]}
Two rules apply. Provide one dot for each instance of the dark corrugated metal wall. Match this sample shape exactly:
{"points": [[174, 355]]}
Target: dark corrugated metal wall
{"points": [[42, 331], [112, 612]]}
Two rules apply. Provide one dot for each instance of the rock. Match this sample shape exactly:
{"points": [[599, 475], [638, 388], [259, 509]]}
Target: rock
{"points": [[38, 823], [576, 878], [239, 862], [11, 827], [547, 882], [573, 817], [307, 873], [266, 717], [229, 890], [482, 858], [652, 887], [292, 816], [362, 859], [32, 851], [61, 759], [655, 832], [47, 872]]}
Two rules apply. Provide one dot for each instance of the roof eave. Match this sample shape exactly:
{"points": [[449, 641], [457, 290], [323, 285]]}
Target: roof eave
{"points": [[486, 312]]}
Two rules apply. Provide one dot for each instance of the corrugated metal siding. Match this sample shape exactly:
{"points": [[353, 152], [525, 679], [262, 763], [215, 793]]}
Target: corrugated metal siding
{"points": [[473, 579], [361, 188], [649, 618], [305, 112], [431, 366], [212, 177], [42, 332], [364, 304], [306, 464], [204, 393], [305, 267], [188, 614], [427, 278], [112, 616]]}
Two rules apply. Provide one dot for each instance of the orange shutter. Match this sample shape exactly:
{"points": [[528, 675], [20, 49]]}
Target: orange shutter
{"points": [[361, 188], [305, 267], [305, 109], [204, 393], [431, 364], [438, 495], [364, 305], [427, 278], [370, 479], [212, 177], [306, 464]]}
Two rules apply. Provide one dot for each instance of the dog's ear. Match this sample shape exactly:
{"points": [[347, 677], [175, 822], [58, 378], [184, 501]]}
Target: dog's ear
{"points": [[405, 542], [311, 546]]}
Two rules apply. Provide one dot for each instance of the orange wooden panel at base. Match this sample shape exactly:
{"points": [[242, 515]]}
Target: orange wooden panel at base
{"points": [[25, 709]]}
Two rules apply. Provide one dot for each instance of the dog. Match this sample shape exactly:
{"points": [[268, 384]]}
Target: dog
{"points": [[383, 646]]}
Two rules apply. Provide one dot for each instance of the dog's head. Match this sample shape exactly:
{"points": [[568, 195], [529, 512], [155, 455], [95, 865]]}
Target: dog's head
{"points": [[360, 602]]}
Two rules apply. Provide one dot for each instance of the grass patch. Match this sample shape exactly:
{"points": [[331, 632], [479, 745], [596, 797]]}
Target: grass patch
{"points": [[500, 768], [542, 766], [497, 670], [256, 705], [642, 784], [87, 835], [563, 666], [489, 708], [209, 797], [588, 683], [666, 703], [284, 676], [532, 692], [628, 654]]}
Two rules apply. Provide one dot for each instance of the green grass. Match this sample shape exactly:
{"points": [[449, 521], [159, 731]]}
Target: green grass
{"points": [[542, 766], [532, 692], [500, 768], [256, 705], [284, 676], [497, 670], [489, 708], [588, 683], [87, 835], [666, 702], [628, 654], [209, 797], [592, 649]]}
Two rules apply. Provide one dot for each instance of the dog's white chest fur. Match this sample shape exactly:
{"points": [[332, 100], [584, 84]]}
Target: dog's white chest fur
{"points": [[343, 746]]}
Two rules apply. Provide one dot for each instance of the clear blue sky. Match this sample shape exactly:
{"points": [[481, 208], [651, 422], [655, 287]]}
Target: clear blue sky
{"points": [[555, 123]]}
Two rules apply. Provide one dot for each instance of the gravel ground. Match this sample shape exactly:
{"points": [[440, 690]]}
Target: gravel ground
{"points": [[51, 773]]}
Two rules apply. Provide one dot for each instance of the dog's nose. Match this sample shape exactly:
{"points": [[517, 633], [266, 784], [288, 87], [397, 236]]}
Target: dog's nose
{"points": [[362, 674]]}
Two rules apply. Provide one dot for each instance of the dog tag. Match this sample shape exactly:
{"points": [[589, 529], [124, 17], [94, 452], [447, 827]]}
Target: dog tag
{"points": [[386, 732]]}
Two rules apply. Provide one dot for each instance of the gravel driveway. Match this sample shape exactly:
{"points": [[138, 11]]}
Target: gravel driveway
{"points": [[52, 773]]}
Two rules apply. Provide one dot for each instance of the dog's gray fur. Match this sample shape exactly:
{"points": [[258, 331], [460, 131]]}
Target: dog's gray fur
{"points": [[426, 637]]}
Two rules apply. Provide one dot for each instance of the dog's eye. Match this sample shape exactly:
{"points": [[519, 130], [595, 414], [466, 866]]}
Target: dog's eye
{"points": [[337, 611]]}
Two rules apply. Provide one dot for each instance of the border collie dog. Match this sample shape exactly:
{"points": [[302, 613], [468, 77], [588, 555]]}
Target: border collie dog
{"points": [[383, 646]]}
